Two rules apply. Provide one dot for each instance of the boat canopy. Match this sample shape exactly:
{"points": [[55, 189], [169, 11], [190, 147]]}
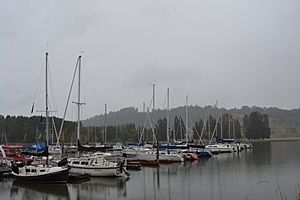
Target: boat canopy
{"points": [[36, 147], [37, 153], [12, 147]]}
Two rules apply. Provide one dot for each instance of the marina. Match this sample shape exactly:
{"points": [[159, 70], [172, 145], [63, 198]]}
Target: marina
{"points": [[267, 171], [150, 100]]}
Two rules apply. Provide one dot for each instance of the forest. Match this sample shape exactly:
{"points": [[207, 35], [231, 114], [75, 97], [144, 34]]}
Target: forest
{"points": [[20, 129]]}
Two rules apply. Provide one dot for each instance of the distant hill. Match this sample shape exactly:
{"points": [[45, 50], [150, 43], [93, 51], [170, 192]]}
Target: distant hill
{"points": [[283, 123]]}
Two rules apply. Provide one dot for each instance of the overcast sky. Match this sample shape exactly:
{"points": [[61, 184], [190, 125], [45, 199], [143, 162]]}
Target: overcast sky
{"points": [[241, 52]]}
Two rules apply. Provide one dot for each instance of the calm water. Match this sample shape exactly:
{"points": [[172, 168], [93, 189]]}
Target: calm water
{"points": [[269, 171]]}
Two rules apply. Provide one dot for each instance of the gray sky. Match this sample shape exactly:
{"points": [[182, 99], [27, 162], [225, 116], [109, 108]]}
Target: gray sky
{"points": [[242, 52]]}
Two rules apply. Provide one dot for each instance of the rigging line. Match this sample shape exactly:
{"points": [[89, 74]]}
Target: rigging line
{"points": [[83, 93], [151, 126], [53, 98], [150, 102], [143, 129], [146, 118], [165, 101], [39, 87], [194, 127], [54, 127], [84, 90], [150, 122], [215, 129], [53, 124], [172, 101], [204, 123], [68, 100], [93, 88]]}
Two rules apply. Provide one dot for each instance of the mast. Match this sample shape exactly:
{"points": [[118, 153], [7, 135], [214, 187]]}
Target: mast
{"points": [[186, 120], [95, 131], [168, 116], [105, 111], [153, 85], [208, 126], [221, 125], [228, 125], [78, 99], [233, 127], [174, 132], [117, 132], [88, 132], [217, 120], [47, 111]]}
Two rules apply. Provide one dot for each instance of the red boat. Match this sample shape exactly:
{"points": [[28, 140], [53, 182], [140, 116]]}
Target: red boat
{"points": [[191, 156], [14, 154]]}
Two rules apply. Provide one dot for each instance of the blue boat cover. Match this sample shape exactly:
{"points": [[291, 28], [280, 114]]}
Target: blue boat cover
{"points": [[36, 147]]}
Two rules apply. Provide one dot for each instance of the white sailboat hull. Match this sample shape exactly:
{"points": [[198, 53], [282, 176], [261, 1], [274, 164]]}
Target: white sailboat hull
{"points": [[162, 156], [102, 172], [96, 166], [220, 148]]}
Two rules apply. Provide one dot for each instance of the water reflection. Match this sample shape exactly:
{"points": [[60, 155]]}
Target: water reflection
{"points": [[216, 178], [99, 188], [169, 181], [5, 185], [96, 188], [39, 191], [256, 174], [262, 153]]}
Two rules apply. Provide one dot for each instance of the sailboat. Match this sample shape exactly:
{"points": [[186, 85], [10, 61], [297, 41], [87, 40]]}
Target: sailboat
{"points": [[167, 155], [94, 165], [42, 173], [222, 147]]}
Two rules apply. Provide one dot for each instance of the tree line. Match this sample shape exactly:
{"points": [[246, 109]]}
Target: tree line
{"points": [[22, 129]]}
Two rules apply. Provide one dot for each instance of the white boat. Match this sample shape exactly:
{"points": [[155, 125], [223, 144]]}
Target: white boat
{"points": [[55, 150], [135, 150], [96, 166], [219, 148], [166, 155]]}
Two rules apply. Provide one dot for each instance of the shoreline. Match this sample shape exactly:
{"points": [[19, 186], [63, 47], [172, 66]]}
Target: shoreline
{"points": [[279, 139]]}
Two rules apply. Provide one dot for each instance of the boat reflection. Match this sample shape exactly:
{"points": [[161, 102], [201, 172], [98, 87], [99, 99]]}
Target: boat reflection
{"points": [[99, 188], [5, 185], [39, 191]]}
